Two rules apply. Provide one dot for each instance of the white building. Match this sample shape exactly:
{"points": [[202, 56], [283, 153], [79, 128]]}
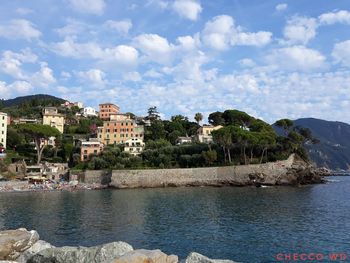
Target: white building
{"points": [[3, 129], [89, 112], [134, 146]]}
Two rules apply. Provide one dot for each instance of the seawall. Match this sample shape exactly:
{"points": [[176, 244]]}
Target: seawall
{"points": [[288, 172]]}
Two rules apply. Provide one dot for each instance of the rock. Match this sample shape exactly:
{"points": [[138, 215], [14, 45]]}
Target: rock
{"points": [[14, 242], [198, 258], [97, 254], [146, 256], [37, 247]]}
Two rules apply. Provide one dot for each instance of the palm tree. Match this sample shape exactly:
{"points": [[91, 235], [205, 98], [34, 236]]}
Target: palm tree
{"points": [[198, 117]]}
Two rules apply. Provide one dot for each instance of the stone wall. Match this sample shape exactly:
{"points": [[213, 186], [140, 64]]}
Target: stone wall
{"points": [[268, 174]]}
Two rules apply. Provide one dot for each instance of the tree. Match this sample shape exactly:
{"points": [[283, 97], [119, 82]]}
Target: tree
{"points": [[216, 118], [210, 156], [14, 138], [236, 117], [198, 117], [285, 124], [153, 114], [38, 132]]}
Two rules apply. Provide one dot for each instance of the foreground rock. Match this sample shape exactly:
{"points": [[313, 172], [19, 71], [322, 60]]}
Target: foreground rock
{"points": [[198, 258], [14, 242], [24, 246]]}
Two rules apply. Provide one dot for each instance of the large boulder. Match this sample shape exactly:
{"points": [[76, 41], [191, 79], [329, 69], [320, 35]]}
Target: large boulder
{"points": [[14, 242], [97, 254], [146, 256], [198, 258], [37, 247]]}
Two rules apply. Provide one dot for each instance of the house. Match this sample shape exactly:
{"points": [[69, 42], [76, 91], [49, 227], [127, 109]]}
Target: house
{"points": [[183, 140], [134, 146], [88, 112], [106, 109], [119, 129], [3, 129], [88, 148], [25, 121], [204, 133], [52, 118]]}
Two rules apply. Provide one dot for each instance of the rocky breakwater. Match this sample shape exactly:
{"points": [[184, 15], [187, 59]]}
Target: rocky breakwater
{"points": [[23, 246]]}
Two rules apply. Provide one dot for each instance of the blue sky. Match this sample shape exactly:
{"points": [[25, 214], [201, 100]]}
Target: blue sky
{"points": [[270, 58]]}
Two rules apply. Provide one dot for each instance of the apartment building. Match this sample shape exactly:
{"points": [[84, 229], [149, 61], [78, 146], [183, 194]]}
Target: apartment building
{"points": [[3, 129], [106, 109], [119, 129], [134, 146], [88, 148], [53, 118]]}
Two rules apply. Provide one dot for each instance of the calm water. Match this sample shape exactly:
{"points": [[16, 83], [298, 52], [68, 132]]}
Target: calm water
{"points": [[243, 224]]}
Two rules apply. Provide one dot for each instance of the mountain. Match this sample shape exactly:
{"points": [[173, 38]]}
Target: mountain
{"points": [[37, 99], [333, 150]]}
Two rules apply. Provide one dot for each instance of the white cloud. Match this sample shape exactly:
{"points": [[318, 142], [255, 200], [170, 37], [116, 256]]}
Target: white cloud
{"points": [[22, 87], [155, 47], [189, 9], [72, 28], [95, 77], [95, 7], [331, 18], [122, 54], [43, 78], [341, 53], [122, 26], [300, 30], [247, 62], [11, 62], [296, 58], [19, 29], [132, 76], [281, 7], [220, 33], [24, 11]]}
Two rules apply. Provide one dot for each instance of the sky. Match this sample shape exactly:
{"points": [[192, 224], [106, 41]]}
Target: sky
{"points": [[270, 58]]}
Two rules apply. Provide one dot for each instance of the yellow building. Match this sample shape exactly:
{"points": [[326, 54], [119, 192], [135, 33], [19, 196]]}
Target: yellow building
{"points": [[53, 118], [3, 129], [204, 133]]}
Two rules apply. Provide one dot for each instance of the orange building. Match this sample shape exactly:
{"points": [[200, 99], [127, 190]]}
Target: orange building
{"points": [[106, 109], [88, 148], [119, 129]]}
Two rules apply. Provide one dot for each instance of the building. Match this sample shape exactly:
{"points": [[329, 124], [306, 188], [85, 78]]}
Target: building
{"points": [[89, 112], [119, 129], [25, 121], [106, 109], [183, 140], [88, 148], [53, 118], [204, 133], [3, 129], [134, 146]]}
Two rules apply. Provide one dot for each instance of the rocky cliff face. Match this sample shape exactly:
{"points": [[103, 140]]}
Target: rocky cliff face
{"points": [[24, 246]]}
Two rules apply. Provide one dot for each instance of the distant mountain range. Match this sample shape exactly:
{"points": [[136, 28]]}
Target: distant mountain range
{"points": [[333, 150]]}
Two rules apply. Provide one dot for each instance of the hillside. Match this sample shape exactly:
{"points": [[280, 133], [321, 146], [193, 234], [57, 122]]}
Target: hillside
{"points": [[29, 106], [333, 150], [39, 99]]}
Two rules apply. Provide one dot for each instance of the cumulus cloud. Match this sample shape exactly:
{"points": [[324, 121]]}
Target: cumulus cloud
{"points": [[155, 47], [331, 18], [300, 30], [220, 33], [341, 53], [296, 58], [189, 9], [95, 7], [122, 26], [121, 54], [19, 29], [94, 77], [43, 78], [11, 62], [281, 7]]}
